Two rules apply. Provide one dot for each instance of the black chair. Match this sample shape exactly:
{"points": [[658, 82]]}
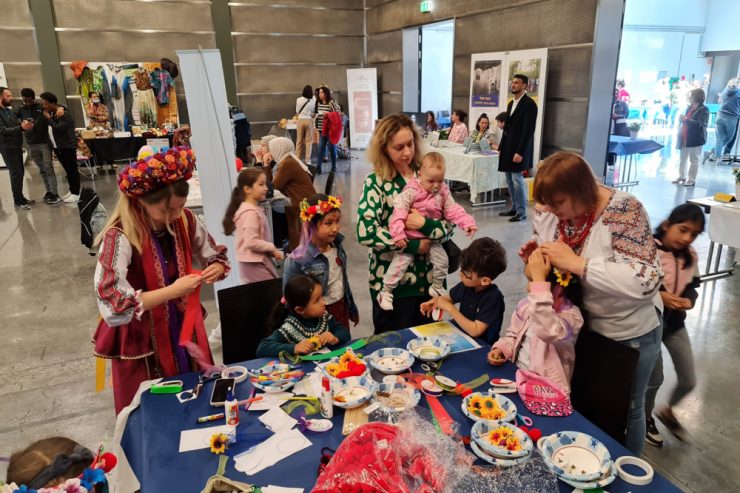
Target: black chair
{"points": [[602, 382], [244, 312], [329, 183]]}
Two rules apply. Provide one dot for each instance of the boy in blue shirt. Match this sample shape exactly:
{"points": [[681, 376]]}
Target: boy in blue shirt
{"points": [[482, 307]]}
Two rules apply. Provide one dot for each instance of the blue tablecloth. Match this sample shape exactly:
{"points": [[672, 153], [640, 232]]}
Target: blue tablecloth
{"points": [[624, 146], [152, 435]]}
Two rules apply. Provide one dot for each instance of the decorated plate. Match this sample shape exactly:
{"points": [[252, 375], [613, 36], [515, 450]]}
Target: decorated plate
{"points": [[396, 397], [391, 360], [497, 461], [341, 363], [575, 456], [601, 482], [274, 378], [352, 392], [506, 405], [480, 435], [428, 348]]}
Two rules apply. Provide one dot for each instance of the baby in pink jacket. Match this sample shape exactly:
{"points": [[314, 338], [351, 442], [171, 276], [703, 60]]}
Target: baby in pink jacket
{"points": [[429, 196], [543, 330]]}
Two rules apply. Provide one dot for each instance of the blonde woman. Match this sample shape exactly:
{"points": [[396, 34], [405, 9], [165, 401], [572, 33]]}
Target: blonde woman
{"points": [[395, 156], [144, 274]]}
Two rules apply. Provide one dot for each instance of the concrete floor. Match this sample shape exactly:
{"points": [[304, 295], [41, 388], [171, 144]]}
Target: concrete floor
{"points": [[48, 313]]}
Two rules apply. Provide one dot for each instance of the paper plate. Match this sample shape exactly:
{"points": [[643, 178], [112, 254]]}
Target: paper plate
{"points": [[266, 386], [506, 404], [391, 360], [601, 482], [428, 348], [336, 361], [575, 456], [396, 397], [479, 434], [353, 391], [496, 461]]}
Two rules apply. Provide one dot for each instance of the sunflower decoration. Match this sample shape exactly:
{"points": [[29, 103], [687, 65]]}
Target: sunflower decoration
{"points": [[321, 208], [315, 342], [485, 407], [219, 443], [504, 437], [475, 404], [348, 365], [563, 277]]}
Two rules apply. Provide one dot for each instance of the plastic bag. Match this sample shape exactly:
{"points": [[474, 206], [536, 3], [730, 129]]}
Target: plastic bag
{"points": [[409, 457]]}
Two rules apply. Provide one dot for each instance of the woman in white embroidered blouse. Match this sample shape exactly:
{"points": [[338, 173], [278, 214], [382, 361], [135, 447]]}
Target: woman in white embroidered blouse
{"points": [[603, 237], [459, 130]]}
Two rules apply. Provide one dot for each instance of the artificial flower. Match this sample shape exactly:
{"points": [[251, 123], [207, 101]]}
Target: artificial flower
{"points": [[322, 207], [563, 277], [91, 477], [219, 442]]}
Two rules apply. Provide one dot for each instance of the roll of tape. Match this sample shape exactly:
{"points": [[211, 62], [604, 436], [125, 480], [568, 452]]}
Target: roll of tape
{"points": [[238, 373], [637, 462]]}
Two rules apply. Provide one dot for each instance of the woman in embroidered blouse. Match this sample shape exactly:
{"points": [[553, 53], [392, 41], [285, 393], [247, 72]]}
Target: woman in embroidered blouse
{"points": [[459, 130], [483, 131], [144, 275], [395, 157], [603, 237]]}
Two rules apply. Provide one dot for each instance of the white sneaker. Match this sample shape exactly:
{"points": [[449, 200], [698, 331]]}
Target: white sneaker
{"points": [[678, 181], [385, 300], [71, 199], [65, 196], [437, 291], [689, 183]]}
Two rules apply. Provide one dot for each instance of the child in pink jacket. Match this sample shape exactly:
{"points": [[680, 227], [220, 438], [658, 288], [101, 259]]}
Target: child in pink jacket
{"points": [[543, 330], [429, 196]]}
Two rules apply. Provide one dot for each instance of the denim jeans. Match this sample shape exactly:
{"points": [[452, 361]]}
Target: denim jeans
{"points": [[725, 126], [323, 143], [518, 192], [41, 155], [649, 347]]}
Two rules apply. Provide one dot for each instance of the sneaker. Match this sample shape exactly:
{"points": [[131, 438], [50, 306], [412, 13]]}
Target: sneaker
{"points": [[507, 213], [652, 434], [517, 219], [54, 199], [28, 201], [667, 417], [47, 196], [437, 291], [71, 199], [385, 300], [25, 206], [689, 183], [66, 195], [678, 181]]}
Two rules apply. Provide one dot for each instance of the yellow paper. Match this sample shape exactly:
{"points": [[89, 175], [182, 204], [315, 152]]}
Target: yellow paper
{"points": [[99, 374]]}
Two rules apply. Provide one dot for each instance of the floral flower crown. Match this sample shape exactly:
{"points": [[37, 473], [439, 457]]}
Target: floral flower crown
{"points": [[322, 208], [154, 171]]}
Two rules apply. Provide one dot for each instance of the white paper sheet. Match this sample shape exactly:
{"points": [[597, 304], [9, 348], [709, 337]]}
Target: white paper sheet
{"points": [[280, 489], [310, 385], [269, 401], [277, 420], [200, 438], [271, 451]]}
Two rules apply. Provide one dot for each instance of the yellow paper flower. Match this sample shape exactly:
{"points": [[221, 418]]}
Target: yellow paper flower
{"points": [[315, 342], [563, 277], [219, 442]]}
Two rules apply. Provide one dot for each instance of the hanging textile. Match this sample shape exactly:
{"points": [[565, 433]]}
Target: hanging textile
{"points": [[161, 81]]}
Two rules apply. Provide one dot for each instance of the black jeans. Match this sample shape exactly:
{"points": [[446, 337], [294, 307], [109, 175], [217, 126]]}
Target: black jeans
{"points": [[68, 158], [13, 158], [406, 313]]}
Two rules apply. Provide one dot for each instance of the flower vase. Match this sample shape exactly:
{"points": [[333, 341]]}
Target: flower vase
{"points": [[633, 134]]}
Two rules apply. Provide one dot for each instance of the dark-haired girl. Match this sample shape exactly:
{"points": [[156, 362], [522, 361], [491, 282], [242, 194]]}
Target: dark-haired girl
{"points": [[255, 250], [300, 323], [673, 238]]}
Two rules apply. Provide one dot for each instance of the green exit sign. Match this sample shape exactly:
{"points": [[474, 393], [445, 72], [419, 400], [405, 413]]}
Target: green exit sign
{"points": [[425, 6]]}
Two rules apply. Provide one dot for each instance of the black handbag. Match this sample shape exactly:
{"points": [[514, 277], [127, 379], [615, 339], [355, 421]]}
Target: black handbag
{"points": [[453, 255]]}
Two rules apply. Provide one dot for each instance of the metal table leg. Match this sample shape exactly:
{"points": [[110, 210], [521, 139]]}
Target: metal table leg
{"points": [[716, 273]]}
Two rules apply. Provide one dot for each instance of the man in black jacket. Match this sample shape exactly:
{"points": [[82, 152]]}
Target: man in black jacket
{"points": [[38, 142], [517, 146], [11, 146], [65, 140]]}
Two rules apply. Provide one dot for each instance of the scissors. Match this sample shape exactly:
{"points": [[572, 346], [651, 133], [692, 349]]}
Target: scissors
{"points": [[526, 420]]}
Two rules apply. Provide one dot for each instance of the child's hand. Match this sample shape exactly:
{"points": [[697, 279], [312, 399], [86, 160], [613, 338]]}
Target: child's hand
{"points": [[674, 302], [185, 285], [526, 250], [428, 306], [401, 244], [303, 347], [496, 357], [328, 339], [213, 273], [539, 266], [443, 303], [687, 305], [471, 231], [278, 255]]}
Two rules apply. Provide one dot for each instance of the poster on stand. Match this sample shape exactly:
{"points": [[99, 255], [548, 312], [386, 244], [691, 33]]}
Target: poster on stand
{"points": [[362, 96], [487, 86]]}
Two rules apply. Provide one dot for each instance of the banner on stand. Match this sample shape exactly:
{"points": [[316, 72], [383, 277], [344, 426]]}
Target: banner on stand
{"points": [[362, 95]]}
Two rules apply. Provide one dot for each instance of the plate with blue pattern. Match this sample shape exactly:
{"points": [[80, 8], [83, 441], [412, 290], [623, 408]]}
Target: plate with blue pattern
{"points": [[480, 433], [497, 461], [429, 348], [391, 361], [575, 456], [352, 392], [601, 482], [396, 397], [506, 404]]}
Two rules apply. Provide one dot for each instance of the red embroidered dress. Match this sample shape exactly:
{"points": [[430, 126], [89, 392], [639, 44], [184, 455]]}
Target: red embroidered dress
{"points": [[144, 344]]}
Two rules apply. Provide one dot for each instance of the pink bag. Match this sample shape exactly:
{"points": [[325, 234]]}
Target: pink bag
{"points": [[541, 395]]}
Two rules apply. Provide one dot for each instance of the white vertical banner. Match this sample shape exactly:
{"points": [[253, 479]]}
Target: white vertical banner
{"points": [[205, 93], [362, 96], [487, 87], [3, 79]]}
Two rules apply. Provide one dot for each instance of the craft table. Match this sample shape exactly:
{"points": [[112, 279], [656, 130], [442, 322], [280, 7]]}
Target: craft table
{"points": [[117, 148], [479, 171], [626, 148], [151, 436], [724, 229]]}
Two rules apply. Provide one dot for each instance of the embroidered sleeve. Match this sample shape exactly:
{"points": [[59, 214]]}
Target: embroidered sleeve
{"points": [[118, 302], [205, 250], [634, 271]]}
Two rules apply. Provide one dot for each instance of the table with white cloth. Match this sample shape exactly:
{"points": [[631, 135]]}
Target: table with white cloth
{"points": [[724, 229], [479, 171]]}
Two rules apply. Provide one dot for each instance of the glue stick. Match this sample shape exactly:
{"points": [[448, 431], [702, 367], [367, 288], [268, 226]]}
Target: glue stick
{"points": [[327, 406], [231, 409]]}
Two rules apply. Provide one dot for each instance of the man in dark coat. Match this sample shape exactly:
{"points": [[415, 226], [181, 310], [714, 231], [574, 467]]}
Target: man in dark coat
{"points": [[517, 146], [11, 146]]}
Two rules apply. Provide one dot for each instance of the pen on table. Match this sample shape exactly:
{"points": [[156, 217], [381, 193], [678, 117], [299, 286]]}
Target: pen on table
{"points": [[251, 399], [212, 417]]}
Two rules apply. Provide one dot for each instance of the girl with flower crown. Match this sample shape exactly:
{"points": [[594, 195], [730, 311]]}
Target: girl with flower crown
{"points": [[320, 255], [144, 274]]}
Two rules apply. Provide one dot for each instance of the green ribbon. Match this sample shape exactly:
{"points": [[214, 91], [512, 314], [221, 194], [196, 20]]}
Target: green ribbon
{"points": [[222, 461], [311, 407], [388, 338]]}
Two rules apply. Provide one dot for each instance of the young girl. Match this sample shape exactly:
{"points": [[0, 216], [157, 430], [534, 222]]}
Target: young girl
{"points": [[144, 274], [254, 247], [673, 238], [321, 255], [429, 195], [544, 328], [301, 323]]}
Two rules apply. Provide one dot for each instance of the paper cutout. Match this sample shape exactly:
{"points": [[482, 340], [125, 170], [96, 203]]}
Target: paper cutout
{"points": [[273, 450], [269, 401], [199, 438], [276, 420]]}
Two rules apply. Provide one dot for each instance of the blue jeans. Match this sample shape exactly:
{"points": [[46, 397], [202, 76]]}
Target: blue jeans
{"points": [[725, 126], [323, 143], [649, 347], [518, 192]]}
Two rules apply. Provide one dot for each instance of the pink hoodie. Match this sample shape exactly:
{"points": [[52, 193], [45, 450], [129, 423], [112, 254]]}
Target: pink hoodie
{"points": [[437, 206], [253, 237], [551, 334]]}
